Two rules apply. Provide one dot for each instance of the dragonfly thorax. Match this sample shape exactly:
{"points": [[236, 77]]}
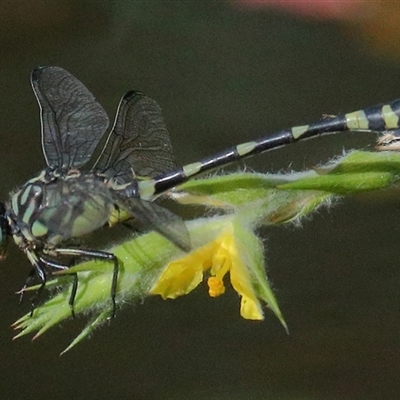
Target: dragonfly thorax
{"points": [[52, 208]]}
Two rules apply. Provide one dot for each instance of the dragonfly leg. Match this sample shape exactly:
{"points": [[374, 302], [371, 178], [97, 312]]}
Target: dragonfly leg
{"points": [[28, 281], [39, 271], [100, 255], [58, 266]]}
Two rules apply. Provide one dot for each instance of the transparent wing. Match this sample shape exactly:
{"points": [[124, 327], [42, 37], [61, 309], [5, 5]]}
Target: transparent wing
{"points": [[154, 217], [139, 141], [73, 122]]}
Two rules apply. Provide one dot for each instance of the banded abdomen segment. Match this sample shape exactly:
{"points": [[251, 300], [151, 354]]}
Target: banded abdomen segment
{"points": [[379, 118]]}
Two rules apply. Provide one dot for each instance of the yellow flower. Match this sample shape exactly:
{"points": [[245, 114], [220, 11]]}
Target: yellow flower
{"points": [[226, 254]]}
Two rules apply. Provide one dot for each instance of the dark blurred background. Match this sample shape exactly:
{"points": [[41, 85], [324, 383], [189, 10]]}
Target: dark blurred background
{"points": [[223, 72]]}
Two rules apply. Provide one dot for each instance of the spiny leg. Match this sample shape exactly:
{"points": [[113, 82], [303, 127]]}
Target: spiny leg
{"points": [[41, 274], [96, 254], [72, 296], [28, 281]]}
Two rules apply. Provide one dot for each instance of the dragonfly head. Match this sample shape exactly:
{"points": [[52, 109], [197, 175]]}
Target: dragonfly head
{"points": [[4, 231]]}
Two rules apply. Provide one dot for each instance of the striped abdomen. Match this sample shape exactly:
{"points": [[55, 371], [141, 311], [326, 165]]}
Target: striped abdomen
{"points": [[379, 118]]}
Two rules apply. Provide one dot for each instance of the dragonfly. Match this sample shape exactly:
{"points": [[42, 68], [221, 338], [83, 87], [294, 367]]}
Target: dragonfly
{"points": [[135, 167], [63, 201]]}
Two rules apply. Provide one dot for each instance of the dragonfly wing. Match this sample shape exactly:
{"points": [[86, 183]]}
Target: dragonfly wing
{"points": [[152, 216], [139, 141], [73, 122]]}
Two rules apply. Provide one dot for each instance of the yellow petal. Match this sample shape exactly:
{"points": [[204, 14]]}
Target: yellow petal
{"points": [[241, 280], [177, 279], [250, 308], [183, 275]]}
